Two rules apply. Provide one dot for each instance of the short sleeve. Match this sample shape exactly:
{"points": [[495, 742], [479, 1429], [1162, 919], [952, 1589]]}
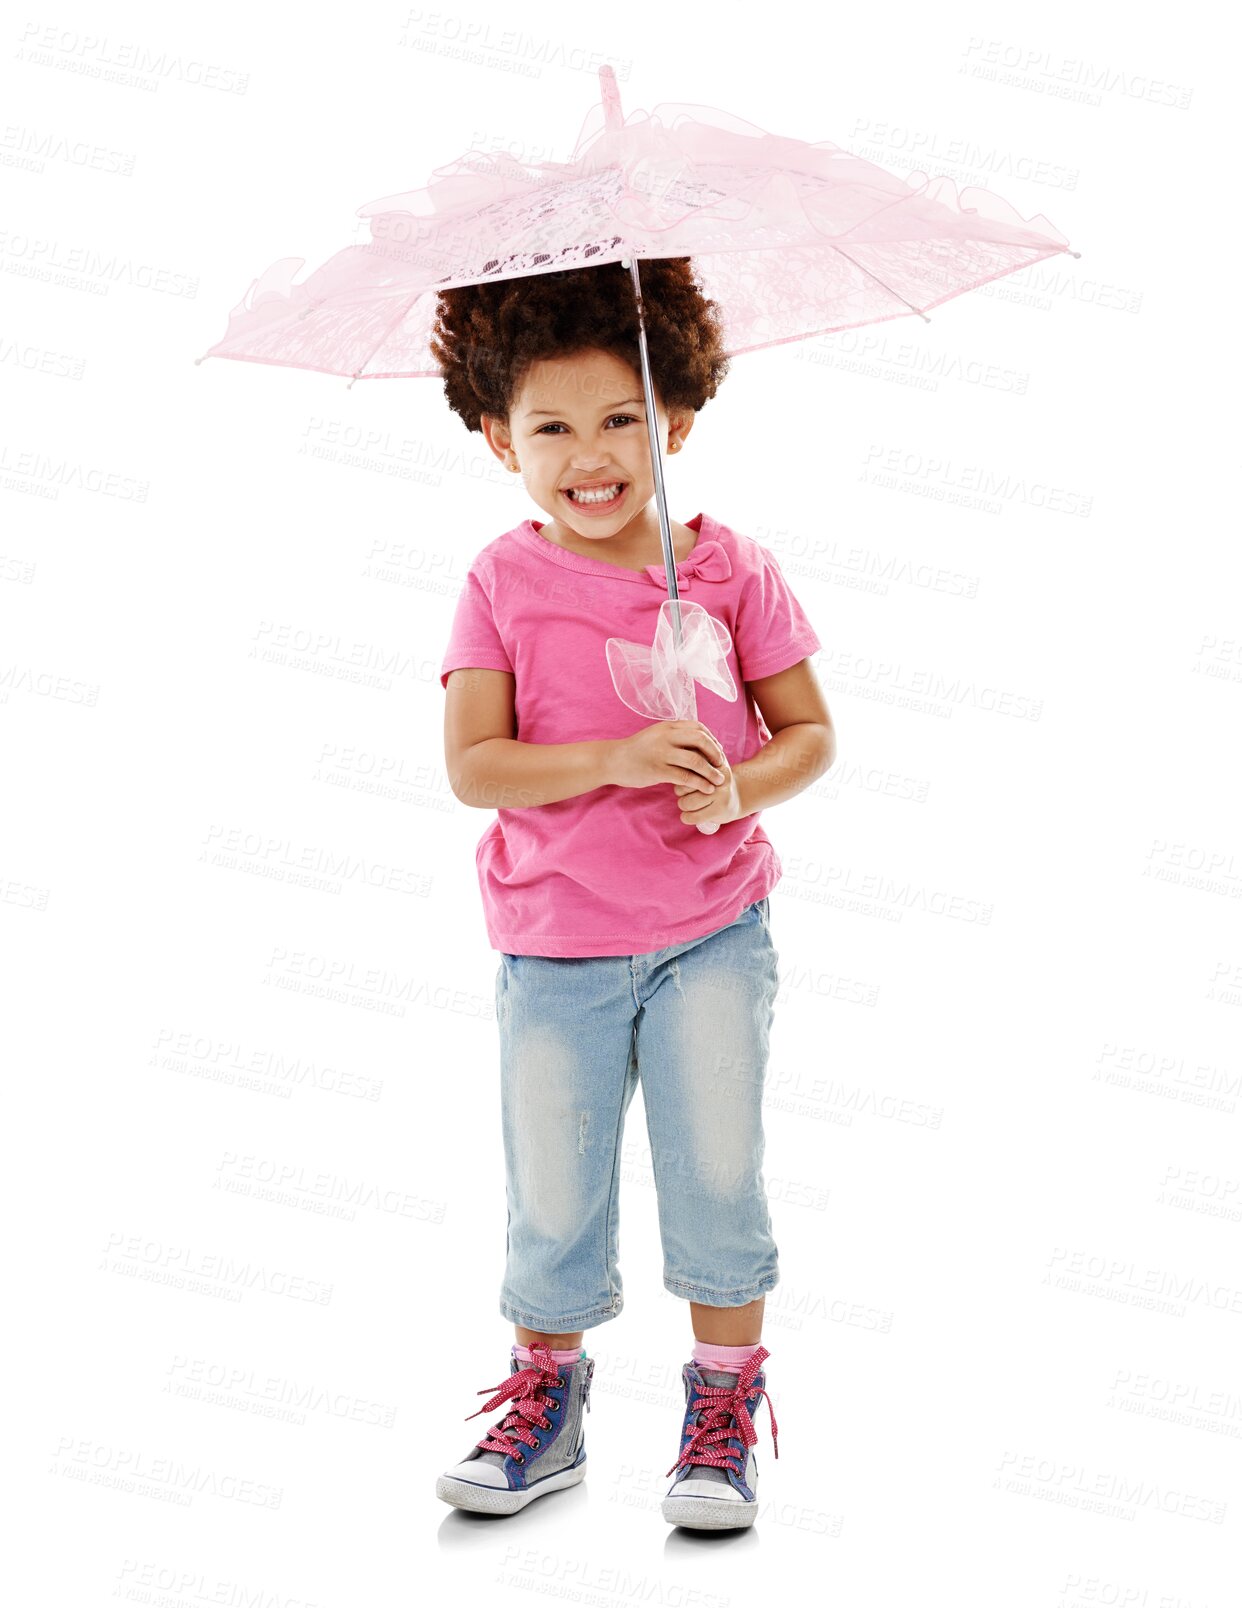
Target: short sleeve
{"points": [[474, 641], [771, 630]]}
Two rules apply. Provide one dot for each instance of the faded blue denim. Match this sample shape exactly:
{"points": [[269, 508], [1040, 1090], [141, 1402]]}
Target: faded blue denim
{"points": [[576, 1034]]}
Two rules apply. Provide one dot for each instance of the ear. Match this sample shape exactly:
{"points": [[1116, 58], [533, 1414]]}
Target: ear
{"points": [[496, 434], [680, 424]]}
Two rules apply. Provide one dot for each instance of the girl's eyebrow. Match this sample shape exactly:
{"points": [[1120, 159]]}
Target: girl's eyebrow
{"points": [[627, 401]]}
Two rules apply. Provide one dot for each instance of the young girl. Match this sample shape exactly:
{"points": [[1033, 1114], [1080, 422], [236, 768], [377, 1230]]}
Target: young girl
{"points": [[631, 944]]}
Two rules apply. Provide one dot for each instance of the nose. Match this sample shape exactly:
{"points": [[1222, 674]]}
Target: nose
{"points": [[589, 452]]}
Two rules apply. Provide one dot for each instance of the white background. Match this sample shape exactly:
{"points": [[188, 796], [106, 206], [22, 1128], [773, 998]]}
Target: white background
{"points": [[1005, 1096]]}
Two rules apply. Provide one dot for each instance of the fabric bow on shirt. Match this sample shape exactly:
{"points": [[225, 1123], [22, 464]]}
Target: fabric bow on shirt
{"points": [[658, 680], [707, 561]]}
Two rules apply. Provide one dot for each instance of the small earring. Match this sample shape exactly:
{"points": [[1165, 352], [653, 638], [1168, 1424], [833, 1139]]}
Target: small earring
{"points": [[516, 467]]}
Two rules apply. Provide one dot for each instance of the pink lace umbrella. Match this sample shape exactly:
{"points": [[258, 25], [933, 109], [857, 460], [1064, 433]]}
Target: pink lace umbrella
{"points": [[790, 239]]}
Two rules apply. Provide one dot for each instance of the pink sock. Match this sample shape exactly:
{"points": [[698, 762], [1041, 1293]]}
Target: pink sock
{"points": [[732, 1359], [522, 1353]]}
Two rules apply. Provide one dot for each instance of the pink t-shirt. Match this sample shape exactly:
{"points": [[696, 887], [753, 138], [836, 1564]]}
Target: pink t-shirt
{"points": [[615, 871]]}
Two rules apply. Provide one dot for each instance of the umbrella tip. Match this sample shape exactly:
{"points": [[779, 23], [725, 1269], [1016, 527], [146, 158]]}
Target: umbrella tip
{"points": [[610, 95]]}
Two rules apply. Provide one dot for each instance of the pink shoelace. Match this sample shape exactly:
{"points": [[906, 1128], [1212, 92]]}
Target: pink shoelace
{"points": [[527, 1390], [722, 1408]]}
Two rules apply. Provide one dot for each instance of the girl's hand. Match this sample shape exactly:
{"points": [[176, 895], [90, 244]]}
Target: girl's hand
{"points": [[717, 807], [680, 751]]}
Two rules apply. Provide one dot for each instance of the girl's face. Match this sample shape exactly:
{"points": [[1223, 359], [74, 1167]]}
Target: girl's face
{"points": [[579, 422]]}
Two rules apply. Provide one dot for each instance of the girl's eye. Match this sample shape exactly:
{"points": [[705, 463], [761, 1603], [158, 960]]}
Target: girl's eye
{"points": [[627, 417]]}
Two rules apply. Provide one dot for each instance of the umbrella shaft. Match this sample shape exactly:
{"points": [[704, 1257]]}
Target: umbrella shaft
{"points": [[657, 459]]}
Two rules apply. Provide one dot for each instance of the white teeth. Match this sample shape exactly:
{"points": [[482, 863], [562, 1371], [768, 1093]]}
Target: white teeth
{"points": [[601, 494]]}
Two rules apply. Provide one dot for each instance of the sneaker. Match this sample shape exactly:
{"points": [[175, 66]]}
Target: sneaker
{"points": [[537, 1447], [714, 1489]]}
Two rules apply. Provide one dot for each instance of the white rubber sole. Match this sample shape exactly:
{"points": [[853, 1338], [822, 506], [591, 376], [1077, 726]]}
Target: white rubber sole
{"points": [[708, 1512], [491, 1499]]}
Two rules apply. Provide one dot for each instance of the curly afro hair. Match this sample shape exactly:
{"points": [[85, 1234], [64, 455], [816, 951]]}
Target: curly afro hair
{"points": [[487, 336]]}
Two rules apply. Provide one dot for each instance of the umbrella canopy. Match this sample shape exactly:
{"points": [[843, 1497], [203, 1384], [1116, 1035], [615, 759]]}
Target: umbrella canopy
{"points": [[791, 239]]}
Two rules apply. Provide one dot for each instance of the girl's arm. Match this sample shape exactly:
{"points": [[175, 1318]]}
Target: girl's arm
{"points": [[798, 755], [804, 740], [489, 768], [803, 746]]}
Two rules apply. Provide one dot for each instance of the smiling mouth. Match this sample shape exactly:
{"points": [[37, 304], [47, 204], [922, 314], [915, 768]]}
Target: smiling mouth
{"points": [[603, 496]]}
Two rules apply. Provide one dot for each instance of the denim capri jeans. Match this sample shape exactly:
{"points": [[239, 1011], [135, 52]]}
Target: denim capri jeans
{"points": [[576, 1034]]}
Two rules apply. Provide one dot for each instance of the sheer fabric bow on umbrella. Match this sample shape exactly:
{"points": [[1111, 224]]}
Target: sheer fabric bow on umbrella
{"points": [[790, 239]]}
